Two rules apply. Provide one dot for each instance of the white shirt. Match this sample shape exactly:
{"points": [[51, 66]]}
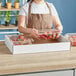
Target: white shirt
{"points": [[38, 9]]}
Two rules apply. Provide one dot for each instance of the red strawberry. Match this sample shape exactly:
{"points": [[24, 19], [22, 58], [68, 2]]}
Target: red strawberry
{"points": [[18, 40], [57, 36], [49, 37], [46, 34], [43, 37], [21, 37], [16, 43], [74, 36], [74, 43], [13, 38], [50, 34]]}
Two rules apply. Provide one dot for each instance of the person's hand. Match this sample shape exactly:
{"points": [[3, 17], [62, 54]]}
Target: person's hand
{"points": [[59, 28], [55, 33], [34, 33]]}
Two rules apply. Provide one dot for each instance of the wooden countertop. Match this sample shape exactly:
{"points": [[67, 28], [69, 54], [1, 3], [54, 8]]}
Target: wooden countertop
{"points": [[24, 63]]}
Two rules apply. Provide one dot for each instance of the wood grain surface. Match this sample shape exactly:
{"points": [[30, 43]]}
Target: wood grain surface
{"points": [[35, 62]]}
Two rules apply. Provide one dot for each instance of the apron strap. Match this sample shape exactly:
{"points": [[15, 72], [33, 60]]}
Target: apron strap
{"points": [[49, 11], [48, 8], [29, 10]]}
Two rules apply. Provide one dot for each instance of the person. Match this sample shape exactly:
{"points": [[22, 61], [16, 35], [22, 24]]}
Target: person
{"points": [[38, 14]]}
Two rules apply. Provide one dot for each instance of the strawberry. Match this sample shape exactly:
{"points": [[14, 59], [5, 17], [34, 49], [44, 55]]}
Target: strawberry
{"points": [[16, 43], [43, 37], [74, 43], [50, 34], [49, 37], [45, 33], [18, 40], [13, 38], [57, 36], [21, 37], [74, 36]]}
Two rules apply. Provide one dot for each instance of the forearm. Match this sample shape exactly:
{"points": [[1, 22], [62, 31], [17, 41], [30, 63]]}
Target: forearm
{"points": [[21, 25], [23, 30], [29, 32], [57, 23]]}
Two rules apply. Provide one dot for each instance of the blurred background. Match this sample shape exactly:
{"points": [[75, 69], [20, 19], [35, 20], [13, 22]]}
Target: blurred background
{"points": [[66, 10], [67, 13]]}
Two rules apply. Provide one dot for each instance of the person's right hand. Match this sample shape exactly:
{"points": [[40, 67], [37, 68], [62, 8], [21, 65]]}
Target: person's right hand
{"points": [[34, 33]]}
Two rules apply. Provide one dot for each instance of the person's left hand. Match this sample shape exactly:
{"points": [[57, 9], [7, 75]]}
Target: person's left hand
{"points": [[55, 33], [59, 28], [59, 31]]}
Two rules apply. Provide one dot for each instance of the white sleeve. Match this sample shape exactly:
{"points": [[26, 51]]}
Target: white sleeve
{"points": [[53, 10], [22, 11]]}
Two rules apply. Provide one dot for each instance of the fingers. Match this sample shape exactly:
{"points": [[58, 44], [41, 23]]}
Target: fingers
{"points": [[35, 31], [55, 35], [35, 34], [52, 34], [59, 28]]}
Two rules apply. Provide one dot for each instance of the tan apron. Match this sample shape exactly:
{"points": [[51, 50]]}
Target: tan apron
{"points": [[39, 21]]}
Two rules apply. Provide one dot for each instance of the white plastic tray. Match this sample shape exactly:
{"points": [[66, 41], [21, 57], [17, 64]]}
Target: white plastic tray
{"points": [[62, 45]]}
